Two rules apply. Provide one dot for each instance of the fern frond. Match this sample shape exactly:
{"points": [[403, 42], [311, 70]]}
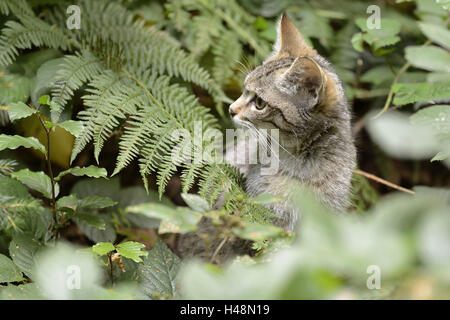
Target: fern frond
{"points": [[101, 89], [19, 8], [136, 133], [227, 52], [74, 72], [32, 32], [205, 28], [217, 179], [7, 166]]}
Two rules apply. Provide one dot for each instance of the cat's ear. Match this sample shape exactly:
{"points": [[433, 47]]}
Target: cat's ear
{"points": [[290, 41], [304, 74]]}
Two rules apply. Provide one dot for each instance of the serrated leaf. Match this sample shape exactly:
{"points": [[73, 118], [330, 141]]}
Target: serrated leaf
{"points": [[14, 142], [19, 110], [70, 202], [411, 92], [437, 33], [22, 250], [177, 220], [103, 248], [131, 250], [96, 202], [91, 171], [38, 181], [429, 58], [258, 232], [9, 272], [73, 127], [159, 271], [195, 202], [386, 35]]}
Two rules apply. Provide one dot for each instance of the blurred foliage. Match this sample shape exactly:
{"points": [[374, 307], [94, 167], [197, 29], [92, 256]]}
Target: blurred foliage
{"points": [[110, 93]]}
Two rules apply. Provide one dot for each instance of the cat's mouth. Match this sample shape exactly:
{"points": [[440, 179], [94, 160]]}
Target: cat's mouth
{"points": [[238, 122]]}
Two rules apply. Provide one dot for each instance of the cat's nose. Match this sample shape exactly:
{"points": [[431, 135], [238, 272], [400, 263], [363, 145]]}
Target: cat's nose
{"points": [[236, 107]]}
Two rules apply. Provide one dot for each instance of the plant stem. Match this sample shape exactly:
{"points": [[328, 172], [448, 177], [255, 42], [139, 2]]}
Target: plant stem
{"points": [[397, 77], [111, 268], [52, 179]]}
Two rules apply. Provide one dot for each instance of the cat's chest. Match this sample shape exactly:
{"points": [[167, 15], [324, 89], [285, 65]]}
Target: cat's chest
{"points": [[275, 184]]}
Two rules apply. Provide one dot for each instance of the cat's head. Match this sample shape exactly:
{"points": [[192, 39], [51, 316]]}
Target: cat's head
{"points": [[292, 86]]}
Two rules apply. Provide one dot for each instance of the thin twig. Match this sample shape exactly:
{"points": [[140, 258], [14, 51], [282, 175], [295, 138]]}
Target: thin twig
{"points": [[218, 249], [382, 181]]}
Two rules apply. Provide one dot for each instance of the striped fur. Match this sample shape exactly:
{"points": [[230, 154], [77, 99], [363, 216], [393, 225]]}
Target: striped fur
{"points": [[303, 98]]}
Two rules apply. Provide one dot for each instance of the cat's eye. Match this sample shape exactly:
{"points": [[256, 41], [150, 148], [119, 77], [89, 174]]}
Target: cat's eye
{"points": [[259, 103]]}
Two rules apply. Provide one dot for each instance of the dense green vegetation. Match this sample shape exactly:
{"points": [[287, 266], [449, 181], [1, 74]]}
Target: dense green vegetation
{"points": [[88, 181]]}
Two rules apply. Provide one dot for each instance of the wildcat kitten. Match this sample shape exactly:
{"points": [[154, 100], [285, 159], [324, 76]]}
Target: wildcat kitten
{"points": [[296, 91]]}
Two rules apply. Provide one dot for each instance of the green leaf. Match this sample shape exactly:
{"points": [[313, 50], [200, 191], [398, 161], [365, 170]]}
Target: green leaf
{"points": [[45, 99], [14, 142], [195, 202], [108, 234], [437, 33], [89, 203], [91, 171], [176, 220], [68, 203], [99, 187], [378, 38], [28, 291], [19, 110], [9, 272], [429, 58], [258, 232], [358, 42], [44, 81], [23, 249], [74, 127], [103, 248], [13, 88], [12, 188], [378, 75], [96, 202], [394, 133], [437, 117], [38, 181], [91, 219], [159, 271], [131, 250], [411, 92]]}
